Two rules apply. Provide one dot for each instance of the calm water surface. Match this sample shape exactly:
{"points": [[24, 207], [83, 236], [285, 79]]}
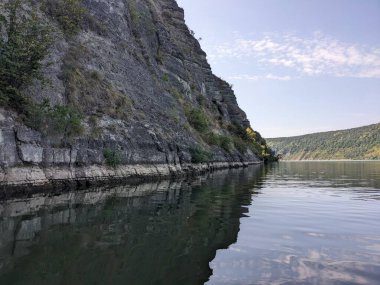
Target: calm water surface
{"points": [[289, 223], [310, 223]]}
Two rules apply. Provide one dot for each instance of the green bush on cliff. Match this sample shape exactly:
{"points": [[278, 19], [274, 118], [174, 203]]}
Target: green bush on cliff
{"points": [[240, 145], [238, 131], [218, 140], [54, 120], [65, 120], [112, 157], [225, 143], [211, 138], [197, 119], [199, 155], [244, 138], [70, 14], [165, 77], [256, 148], [25, 45]]}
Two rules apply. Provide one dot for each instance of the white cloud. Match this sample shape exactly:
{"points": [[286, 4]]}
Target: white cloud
{"points": [[261, 77], [318, 55]]}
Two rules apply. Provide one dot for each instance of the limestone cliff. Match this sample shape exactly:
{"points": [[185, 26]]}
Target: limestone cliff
{"points": [[124, 84]]}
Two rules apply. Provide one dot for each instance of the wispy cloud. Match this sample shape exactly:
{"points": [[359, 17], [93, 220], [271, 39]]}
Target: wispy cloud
{"points": [[318, 55], [261, 77]]}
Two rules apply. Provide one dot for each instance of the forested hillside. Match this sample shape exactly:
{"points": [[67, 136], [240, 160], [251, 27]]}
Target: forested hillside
{"points": [[357, 143]]}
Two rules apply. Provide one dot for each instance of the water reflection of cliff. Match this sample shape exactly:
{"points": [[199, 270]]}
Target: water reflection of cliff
{"points": [[160, 233]]}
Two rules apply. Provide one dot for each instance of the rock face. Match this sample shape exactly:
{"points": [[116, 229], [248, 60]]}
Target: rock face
{"points": [[135, 72]]}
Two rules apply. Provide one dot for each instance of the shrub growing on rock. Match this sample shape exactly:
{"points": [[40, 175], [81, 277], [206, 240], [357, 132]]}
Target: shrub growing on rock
{"points": [[219, 140], [199, 155], [70, 14], [112, 157], [211, 139], [240, 145], [54, 120], [26, 43], [225, 143], [197, 119]]}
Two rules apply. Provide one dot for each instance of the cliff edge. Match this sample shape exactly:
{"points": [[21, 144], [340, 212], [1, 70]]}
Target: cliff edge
{"points": [[112, 88]]}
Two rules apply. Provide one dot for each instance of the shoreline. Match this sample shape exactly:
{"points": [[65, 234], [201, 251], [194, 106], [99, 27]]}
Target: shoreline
{"points": [[21, 181]]}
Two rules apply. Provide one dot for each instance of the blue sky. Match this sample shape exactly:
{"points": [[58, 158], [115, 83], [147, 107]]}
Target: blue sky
{"points": [[297, 66]]}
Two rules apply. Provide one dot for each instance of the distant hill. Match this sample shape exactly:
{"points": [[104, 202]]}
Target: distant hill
{"points": [[356, 144]]}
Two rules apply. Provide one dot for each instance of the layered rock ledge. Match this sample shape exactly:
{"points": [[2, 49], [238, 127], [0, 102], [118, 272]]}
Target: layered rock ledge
{"points": [[29, 181], [37, 176]]}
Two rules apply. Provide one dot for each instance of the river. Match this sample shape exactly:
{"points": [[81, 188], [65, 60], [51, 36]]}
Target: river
{"points": [[286, 223]]}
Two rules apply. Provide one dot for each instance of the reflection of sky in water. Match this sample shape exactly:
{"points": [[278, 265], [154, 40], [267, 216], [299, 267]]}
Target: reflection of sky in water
{"points": [[312, 223]]}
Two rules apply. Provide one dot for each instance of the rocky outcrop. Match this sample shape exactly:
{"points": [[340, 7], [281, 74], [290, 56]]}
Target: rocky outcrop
{"points": [[134, 71]]}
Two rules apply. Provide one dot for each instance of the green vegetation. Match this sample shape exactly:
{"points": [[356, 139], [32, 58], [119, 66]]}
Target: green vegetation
{"points": [[248, 138], [160, 58], [26, 43], [240, 132], [197, 119], [96, 130], [133, 11], [89, 89], [358, 143], [181, 99], [239, 144], [54, 120], [199, 155], [173, 115], [219, 140], [211, 139], [201, 100], [165, 77], [225, 143], [143, 24], [240, 138], [70, 14], [112, 157]]}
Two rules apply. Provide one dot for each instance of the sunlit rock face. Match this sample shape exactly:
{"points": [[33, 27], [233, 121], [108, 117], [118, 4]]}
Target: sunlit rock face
{"points": [[135, 71]]}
